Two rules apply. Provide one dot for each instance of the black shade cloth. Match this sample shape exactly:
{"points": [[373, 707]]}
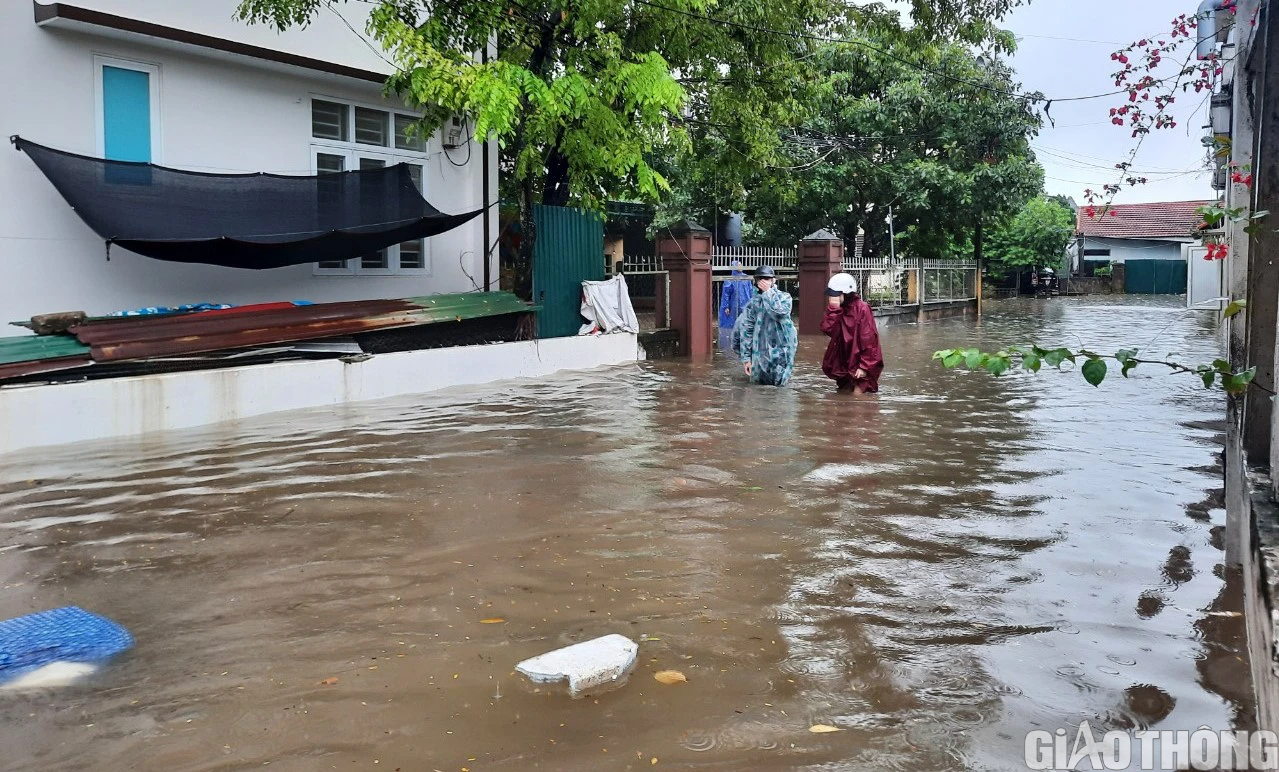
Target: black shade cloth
{"points": [[242, 220]]}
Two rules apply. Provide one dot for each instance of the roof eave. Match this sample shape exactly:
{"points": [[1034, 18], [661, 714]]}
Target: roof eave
{"points": [[65, 15]]}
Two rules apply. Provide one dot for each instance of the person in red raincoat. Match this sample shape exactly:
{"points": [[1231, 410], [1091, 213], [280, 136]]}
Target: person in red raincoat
{"points": [[853, 358]]}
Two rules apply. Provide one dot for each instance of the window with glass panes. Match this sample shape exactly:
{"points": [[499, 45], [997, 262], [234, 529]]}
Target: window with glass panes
{"points": [[347, 137]]}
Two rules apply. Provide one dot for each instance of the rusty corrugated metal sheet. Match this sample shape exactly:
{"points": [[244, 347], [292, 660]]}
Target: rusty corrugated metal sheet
{"points": [[19, 369], [143, 337], [159, 328], [218, 338]]}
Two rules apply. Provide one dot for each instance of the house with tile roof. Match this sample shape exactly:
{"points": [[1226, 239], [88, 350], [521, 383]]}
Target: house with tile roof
{"points": [[1126, 232]]}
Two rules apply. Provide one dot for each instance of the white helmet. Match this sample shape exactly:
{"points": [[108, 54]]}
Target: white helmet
{"points": [[843, 283]]}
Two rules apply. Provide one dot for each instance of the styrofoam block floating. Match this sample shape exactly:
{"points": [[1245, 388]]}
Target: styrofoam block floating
{"points": [[586, 665], [54, 675]]}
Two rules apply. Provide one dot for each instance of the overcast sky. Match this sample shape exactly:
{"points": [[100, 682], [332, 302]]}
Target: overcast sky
{"points": [[1064, 51]]}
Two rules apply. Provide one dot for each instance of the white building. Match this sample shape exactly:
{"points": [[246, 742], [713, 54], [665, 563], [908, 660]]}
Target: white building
{"points": [[1152, 241], [183, 84]]}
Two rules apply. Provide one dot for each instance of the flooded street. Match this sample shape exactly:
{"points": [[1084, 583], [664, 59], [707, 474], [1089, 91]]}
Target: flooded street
{"points": [[936, 571]]}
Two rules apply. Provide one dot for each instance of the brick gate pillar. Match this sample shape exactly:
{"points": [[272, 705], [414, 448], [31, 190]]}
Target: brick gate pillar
{"points": [[685, 252], [821, 256]]}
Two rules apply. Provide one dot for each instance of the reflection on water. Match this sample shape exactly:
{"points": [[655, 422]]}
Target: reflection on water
{"points": [[936, 570]]}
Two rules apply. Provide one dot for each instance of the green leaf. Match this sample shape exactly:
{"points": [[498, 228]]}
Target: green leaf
{"points": [[1055, 357], [972, 358], [1208, 375], [1031, 362], [1128, 358], [1094, 371], [1234, 308], [952, 359], [1222, 366], [997, 365]]}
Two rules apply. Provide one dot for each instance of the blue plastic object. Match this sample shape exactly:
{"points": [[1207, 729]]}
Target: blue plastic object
{"points": [[168, 310], [67, 634]]}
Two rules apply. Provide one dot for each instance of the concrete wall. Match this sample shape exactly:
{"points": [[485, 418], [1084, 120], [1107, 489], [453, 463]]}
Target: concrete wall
{"points": [[947, 309], [1252, 520], [216, 113], [32, 416], [1095, 285], [1261, 587]]}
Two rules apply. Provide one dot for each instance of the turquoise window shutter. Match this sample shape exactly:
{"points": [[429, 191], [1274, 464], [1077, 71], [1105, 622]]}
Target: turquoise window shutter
{"points": [[126, 114]]}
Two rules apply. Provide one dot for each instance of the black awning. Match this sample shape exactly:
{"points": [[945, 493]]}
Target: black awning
{"points": [[242, 220]]}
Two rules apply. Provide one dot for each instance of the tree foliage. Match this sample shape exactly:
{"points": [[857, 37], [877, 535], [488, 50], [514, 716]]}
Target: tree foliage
{"points": [[934, 129], [581, 93], [1092, 365], [1036, 236], [598, 99]]}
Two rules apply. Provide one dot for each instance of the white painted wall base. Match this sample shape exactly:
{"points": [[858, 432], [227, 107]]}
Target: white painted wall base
{"points": [[34, 416]]}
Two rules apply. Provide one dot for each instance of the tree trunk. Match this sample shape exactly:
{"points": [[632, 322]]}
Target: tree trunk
{"points": [[523, 288], [528, 238], [555, 189]]}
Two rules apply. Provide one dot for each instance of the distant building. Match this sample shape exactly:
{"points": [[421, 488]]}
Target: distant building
{"points": [[1149, 235]]}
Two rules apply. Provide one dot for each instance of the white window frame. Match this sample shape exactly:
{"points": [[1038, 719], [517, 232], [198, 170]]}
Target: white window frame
{"points": [[353, 151], [99, 114]]}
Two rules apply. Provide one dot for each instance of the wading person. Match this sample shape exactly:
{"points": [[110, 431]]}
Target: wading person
{"points": [[765, 334], [853, 359]]}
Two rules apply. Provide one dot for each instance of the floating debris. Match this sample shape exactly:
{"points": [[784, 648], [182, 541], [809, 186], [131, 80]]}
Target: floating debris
{"points": [[586, 665]]}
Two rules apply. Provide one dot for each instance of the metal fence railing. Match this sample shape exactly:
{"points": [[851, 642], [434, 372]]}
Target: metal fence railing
{"points": [[649, 288], [782, 259], [945, 280], [883, 283]]}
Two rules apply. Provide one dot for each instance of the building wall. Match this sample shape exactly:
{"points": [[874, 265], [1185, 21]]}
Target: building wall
{"points": [[327, 38], [1122, 250], [1252, 520], [217, 113]]}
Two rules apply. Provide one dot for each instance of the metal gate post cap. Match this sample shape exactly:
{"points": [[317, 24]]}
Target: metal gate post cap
{"points": [[683, 228], [821, 234]]}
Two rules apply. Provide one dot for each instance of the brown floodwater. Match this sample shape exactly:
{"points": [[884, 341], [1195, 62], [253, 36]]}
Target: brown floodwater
{"points": [[936, 570]]}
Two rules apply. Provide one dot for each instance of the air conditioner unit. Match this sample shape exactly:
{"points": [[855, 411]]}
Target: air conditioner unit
{"points": [[1219, 178], [455, 132]]}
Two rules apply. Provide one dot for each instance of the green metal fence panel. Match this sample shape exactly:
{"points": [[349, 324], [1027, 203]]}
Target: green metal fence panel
{"points": [[1155, 277], [569, 250]]}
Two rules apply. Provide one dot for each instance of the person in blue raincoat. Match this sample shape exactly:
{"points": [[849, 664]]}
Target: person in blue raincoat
{"points": [[765, 336], [734, 296]]}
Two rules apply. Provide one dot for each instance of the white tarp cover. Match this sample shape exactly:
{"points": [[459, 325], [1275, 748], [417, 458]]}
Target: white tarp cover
{"points": [[607, 307]]}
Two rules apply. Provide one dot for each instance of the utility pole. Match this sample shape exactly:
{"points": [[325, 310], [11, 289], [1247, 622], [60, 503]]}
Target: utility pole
{"points": [[892, 239], [977, 245]]}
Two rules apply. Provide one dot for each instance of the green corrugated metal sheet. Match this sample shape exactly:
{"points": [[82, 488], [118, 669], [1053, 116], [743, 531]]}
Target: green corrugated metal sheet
{"points": [[1155, 277], [31, 348], [569, 250], [470, 305]]}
